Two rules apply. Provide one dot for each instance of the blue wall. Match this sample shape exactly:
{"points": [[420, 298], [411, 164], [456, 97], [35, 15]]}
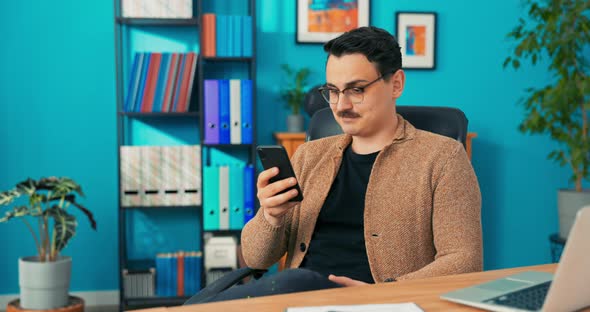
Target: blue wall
{"points": [[57, 117]]}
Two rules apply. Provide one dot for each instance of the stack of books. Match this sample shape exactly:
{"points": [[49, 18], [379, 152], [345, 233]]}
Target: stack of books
{"points": [[157, 8], [161, 82], [226, 36], [137, 284], [160, 175], [178, 274]]}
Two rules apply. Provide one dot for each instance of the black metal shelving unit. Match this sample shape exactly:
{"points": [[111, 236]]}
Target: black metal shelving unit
{"points": [[122, 24], [159, 114], [158, 21]]}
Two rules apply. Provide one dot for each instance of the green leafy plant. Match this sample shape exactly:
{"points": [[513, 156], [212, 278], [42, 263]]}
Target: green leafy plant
{"points": [[560, 31], [48, 200], [294, 91]]}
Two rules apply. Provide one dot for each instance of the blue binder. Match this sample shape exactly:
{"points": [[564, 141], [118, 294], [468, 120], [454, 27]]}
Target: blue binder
{"points": [[238, 35], [211, 108], [231, 35], [211, 198], [224, 126], [247, 39], [197, 269], [187, 275], [190, 278], [161, 275], [248, 193], [246, 110], [173, 286], [236, 197], [166, 274]]}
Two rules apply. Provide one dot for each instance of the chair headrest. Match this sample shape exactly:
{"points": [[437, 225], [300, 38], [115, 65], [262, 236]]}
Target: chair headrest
{"points": [[313, 101]]}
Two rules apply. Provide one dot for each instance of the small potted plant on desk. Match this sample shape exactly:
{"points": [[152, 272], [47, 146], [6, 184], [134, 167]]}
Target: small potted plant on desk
{"points": [[44, 279], [293, 94], [559, 32]]}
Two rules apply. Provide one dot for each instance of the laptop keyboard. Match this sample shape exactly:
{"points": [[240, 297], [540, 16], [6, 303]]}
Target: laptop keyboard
{"points": [[531, 298]]}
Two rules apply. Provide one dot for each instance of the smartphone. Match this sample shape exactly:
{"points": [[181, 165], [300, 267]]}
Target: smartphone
{"points": [[276, 156]]}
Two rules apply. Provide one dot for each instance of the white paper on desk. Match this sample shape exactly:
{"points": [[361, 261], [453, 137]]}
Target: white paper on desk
{"points": [[390, 307]]}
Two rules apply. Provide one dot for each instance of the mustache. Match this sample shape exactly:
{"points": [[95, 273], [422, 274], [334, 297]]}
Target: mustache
{"points": [[348, 114]]}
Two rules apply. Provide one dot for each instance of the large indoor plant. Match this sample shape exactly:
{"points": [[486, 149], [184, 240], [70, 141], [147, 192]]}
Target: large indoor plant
{"points": [[555, 34], [44, 279], [293, 93]]}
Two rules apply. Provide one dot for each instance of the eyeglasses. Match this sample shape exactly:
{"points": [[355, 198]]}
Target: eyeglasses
{"points": [[354, 94]]}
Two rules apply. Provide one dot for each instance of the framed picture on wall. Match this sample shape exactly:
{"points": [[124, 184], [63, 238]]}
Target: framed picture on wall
{"points": [[416, 34], [319, 21]]}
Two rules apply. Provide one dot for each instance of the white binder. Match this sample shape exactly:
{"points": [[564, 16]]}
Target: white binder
{"points": [[235, 112], [224, 197]]}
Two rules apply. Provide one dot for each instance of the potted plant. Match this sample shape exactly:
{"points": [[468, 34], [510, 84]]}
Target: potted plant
{"points": [[44, 279], [293, 94], [559, 31]]}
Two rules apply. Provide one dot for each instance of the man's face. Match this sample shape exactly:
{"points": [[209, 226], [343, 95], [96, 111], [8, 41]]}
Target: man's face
{"points": [[377, 108]]}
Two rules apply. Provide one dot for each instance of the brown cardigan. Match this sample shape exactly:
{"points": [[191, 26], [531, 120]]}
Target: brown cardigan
{"points": [[422, 208]]}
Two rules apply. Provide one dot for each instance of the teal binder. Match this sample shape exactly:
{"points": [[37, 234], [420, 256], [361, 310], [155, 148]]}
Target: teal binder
{"points": [[236, 197], [221, 23], [238, 35], [211, 198], [231, 36]]}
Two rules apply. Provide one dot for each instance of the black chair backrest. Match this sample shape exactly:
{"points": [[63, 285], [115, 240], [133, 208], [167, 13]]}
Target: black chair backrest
{"points": [[447, 121], [313, 101]]}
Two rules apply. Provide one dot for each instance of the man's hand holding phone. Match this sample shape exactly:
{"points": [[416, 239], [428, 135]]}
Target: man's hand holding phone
{"points": [[278, 190], [274, 203]]}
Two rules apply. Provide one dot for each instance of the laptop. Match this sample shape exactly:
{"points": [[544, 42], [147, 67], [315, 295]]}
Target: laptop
{"points": [[567, 290]]}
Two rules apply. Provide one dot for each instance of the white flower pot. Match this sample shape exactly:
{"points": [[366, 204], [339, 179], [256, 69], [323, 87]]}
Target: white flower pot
{"points": [[44, 285], [295, 123]]}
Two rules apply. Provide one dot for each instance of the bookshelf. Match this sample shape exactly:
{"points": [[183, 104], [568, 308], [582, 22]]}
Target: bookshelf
{"points": [[191, 122]]}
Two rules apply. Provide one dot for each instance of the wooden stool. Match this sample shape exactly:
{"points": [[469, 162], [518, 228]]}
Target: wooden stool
{"points": [[75, 304]]}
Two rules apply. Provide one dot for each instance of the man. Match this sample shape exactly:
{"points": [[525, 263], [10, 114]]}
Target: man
{"points": [[382, 202]]}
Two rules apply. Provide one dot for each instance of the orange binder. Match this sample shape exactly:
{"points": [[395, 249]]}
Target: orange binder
{"points": [[208, 35], [180, 274]]}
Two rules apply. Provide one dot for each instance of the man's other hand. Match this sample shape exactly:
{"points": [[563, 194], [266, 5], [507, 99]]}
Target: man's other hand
{"points": [[345, 281]]}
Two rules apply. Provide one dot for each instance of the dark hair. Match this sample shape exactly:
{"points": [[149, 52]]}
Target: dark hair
{"points": [[378, 45]]}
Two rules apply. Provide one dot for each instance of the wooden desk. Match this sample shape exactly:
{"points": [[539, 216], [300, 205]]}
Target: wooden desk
{"points": [[425, 293], [292, 140], [470, 136]]}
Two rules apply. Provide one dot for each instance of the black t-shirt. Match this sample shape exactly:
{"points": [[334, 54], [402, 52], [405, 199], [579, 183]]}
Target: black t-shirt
{"points": [[338, 242]]}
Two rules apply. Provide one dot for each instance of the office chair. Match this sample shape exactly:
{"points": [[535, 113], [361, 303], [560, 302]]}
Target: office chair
{"points": [[314, 101], [447, 121]]}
